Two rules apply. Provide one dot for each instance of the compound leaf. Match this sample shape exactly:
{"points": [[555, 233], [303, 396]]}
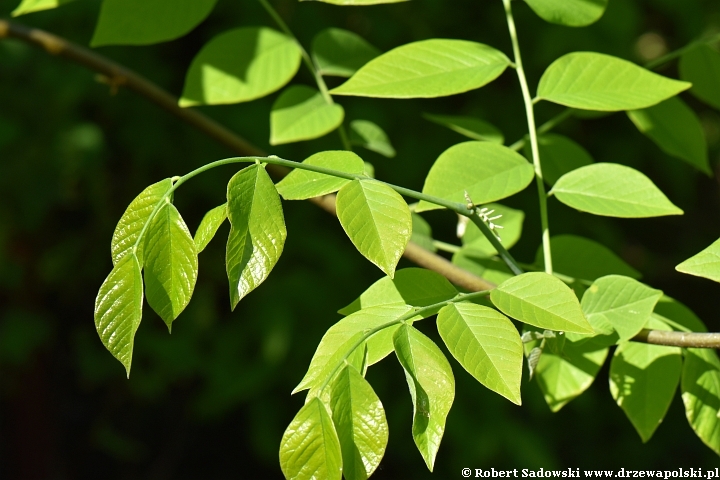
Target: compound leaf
{"points": [[559, 156], [469, 126], [340, 52], [303, 184], [209, 226], [368, 135], [30, 6], [704, 264], [701, 67], [571, 13], [301, 113], [700, 387]]}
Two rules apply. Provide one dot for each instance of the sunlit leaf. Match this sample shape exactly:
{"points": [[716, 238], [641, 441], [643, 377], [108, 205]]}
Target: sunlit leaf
{"points": [[209, 226], [30, 6], [368, 135], [701, 67], [301, 113], [340, 52], [700, 386], [511, 221], [469, 126], [303, 184], [559, 155], [704, 264], [571, 13]]}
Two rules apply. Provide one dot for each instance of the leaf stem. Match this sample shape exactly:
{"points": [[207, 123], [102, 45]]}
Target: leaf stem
{"points": [[676, 53], [529, 111], [545, 127], [446, 247]]}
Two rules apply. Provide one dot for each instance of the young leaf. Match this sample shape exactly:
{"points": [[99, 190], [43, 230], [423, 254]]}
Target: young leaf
{"points": [[310, 447], [30, 6], [171, 264], [118, 309], [542, 300], [594, 81], [584, 259], [240, 65], [486, 171], [486, 344], [613, 190], [340, 52], [144, 22], [426, 69], [559, 155], [257, 230], [377, 220], [301, 113], [422, 233], [132, 221], [571, 13], [432, 388], [511, 221], [303, 184], [700, 386], [469, 126], [360, 421], [643, 380], [417, 287], [704, 264], [209, 226], [675, 128], [701, 67], [368, 135], [621, 304], [491, 269]]}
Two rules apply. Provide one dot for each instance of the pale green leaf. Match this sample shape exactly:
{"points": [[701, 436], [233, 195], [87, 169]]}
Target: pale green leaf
{"points": [[132, 221], [613, 190], [368, 135], [571, 13], [357, 2], [620, 304], [144, 22], [673, 313], [257, 230], [422, 233], [377, 220], [428, 68], [704, 264], [675, 128], [432, 388], [643, 380], [360, 421], [559, 155], [594, 81], [240, 65], [700, 386], [303, 184], [118, 309], [30, 6], [310, 447], [486, 171], [340, 52], [469, 126], [209, 226], [301, 113], [542, 300], [512, 220], [486, 344], [701, 67], [491, 269], [171, 264]]}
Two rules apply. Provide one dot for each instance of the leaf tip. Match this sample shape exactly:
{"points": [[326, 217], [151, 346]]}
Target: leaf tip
{"points": [[186, 102]]}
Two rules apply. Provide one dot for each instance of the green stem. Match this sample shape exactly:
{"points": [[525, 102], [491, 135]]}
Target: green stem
{"points": [[502, 251], [446, 247], [545, 127], [529, 111], [674, 54]]}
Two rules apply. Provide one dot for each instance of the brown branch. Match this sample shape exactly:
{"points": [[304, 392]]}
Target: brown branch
{"points": [[116, 76]]}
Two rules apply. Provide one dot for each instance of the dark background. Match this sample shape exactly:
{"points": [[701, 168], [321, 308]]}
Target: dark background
{"points": [[212, 400]]}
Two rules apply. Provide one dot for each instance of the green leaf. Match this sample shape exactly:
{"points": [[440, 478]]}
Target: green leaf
{"points": [[358, 2], [310, 447], [511, 221], [571, 13], [345, 333], [30, 6], [701, 394], [171, 264], [377, 220], [118, 309], [209, 226], [594, 81], [613, 190], [584, 259], [701, 67], [360, 421], [487, 171], [301, 113], [673, 313], [643, 380], [240, 65], [427, 69], [132, 221], [257, 230], [144, 22], [432, 388], [705, 264], [559, 155], [491, 269], [469, 126], [562, 378], [675, 128], [486, 344], [542, 300], [422, 233], [620, 304], [368, 135], [303, 184], [340, 52]]}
